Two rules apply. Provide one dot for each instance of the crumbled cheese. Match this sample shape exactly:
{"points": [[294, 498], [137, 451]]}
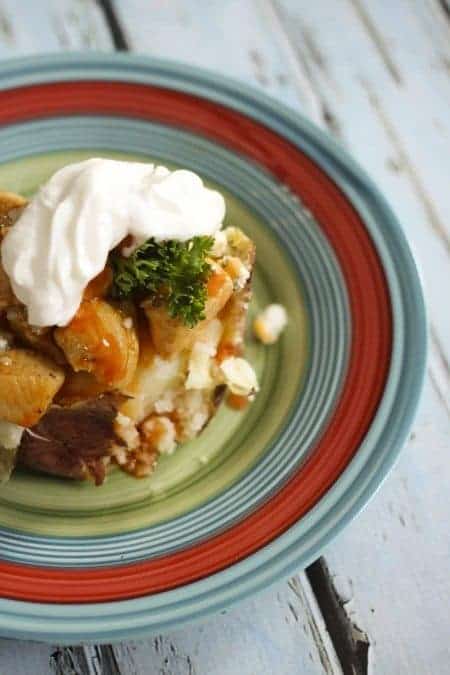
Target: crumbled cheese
{"points": [[193, 411], [120, 454], [128, 322], [4, 344], [126, 430], [10, 435], [165, 403], [162, 433], [270, 323], [220, 245], [239, 376], [201, 358], [242, 277], [238, 272]]}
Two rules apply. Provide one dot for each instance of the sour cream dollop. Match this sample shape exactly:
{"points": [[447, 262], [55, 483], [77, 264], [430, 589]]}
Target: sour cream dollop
{"points": [[63, 237]]}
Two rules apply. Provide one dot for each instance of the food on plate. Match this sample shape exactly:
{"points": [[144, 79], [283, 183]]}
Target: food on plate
{"points": [[123, 306], [270, 323]]}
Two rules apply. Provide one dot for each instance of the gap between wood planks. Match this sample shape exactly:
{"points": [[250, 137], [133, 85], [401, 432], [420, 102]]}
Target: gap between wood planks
{"points": [[350, 642], [377, 40], [445, 5], [95, 660], [326, 119], [117, 33]]}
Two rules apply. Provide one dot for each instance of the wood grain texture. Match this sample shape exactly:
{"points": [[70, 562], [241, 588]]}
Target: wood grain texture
{"points": [[234, 37], [281, 631], [391, 566], [377, 76], [290, 638], [51, 25], [382, 120]]}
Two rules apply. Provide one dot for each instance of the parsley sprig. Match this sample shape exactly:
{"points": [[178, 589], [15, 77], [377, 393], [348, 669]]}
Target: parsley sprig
{"points": [[173, 273]]}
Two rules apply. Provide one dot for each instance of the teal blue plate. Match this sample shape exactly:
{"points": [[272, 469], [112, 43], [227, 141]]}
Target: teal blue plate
{"points": [[260, 493]]}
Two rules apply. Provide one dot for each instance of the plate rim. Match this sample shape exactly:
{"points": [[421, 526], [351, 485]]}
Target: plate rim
{"points": [[278, 559]]}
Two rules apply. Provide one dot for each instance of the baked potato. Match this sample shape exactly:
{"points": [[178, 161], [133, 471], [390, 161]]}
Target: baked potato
{"points": [[123, 382]]}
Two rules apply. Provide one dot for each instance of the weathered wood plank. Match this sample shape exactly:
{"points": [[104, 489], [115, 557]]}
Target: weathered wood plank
{"points": [[397, 597], [51, 25], [383, 122], [235, 38], [288, 638], [281, 631], [24, 658], [391, 565], [417, 37]]}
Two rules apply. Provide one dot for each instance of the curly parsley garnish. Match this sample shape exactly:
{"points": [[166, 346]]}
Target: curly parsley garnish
{"points": [[173, 273]]}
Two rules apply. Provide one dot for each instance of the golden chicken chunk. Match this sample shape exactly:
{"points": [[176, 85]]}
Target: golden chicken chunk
{"points": [[28, 383], [102, 340]]}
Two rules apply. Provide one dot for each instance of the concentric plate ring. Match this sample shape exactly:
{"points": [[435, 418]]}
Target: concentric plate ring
{"points": [[389, 426]]}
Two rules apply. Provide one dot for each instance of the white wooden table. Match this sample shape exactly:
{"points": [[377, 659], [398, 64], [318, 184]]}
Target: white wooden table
{"points": [[375, 74]]}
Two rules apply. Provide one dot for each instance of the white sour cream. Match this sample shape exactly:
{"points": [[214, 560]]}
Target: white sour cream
{"points": [[63, 237]]}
